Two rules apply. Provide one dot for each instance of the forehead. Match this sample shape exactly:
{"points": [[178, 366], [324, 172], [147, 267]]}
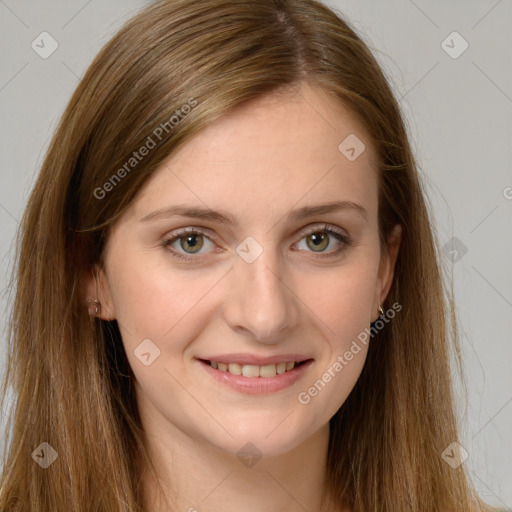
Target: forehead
{"points": [[274, 153]]}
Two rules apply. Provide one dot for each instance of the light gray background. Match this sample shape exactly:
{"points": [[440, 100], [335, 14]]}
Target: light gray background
{"points": [[459, 116]]}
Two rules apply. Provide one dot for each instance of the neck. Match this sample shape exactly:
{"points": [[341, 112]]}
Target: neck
{"points": [[195, 476]]}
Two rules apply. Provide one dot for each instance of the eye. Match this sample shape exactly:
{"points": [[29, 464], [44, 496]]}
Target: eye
{"points": [[320, 238], [187, 241]]}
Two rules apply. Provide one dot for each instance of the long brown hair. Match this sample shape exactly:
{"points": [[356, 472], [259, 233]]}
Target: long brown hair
{"points": [[169, 72]]}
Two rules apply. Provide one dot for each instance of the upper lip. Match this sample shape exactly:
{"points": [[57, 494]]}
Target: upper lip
{"points": [[256, 360]]}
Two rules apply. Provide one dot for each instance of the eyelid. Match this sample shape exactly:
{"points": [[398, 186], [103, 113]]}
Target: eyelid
{"points": [[323, 226], [186, 230]]}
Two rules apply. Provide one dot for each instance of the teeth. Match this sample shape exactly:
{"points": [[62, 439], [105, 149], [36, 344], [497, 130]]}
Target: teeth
{"points": [[250, 370], [280, 368], [235, 369], [253, 370], [268, 370]]}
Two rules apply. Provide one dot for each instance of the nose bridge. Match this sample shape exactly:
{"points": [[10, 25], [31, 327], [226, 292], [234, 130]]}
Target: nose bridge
{"points": [[260, 302]]}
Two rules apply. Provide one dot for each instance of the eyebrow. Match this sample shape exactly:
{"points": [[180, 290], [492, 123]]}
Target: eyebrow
{"points": [[199, 212]]}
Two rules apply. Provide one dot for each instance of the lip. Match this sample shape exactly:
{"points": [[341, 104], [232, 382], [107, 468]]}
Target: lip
{"points": [[257, 385], [258, 360]]}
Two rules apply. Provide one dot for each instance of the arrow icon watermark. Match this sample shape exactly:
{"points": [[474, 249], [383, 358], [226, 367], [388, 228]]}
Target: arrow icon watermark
{"points": [[146, 352]]}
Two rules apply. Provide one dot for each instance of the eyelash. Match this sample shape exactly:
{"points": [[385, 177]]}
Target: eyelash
{"points": [[326, 228]]}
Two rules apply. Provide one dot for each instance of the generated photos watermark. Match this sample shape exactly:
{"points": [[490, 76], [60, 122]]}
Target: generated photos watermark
{"points": [[151, 143], [305, 397]]}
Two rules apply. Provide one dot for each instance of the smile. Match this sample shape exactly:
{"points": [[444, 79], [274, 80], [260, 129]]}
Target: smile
{"points": [[256, 379], [254, 370]]}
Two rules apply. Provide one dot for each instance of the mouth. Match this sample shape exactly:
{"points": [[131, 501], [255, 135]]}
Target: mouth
{"points": [[253, 370], [253, 378]]}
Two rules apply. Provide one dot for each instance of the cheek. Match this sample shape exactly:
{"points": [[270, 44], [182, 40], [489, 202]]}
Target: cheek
{"points": [[342, 303], [156, 302], [342, 298]]}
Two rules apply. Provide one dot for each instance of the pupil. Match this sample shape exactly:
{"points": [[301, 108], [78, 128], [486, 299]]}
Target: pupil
{"points": [[317, 239], [192, 237], [192, 243]]}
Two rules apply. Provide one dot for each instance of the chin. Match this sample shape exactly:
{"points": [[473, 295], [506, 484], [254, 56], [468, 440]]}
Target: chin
{"points": [[266, 437]]}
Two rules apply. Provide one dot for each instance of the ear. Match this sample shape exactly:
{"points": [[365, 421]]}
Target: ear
{"points": [[96, 287], [387, 266]]}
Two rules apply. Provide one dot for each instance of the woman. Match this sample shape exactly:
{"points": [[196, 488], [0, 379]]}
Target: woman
{"points": [[228, 292]]}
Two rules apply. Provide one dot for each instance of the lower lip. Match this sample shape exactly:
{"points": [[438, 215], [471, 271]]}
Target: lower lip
{"points": [[257, 385]]}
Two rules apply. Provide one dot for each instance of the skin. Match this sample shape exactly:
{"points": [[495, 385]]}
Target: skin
{"points": [[258, 163]]}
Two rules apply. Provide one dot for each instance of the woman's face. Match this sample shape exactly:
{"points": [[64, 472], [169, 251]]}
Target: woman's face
{"points": [[279, 263]]}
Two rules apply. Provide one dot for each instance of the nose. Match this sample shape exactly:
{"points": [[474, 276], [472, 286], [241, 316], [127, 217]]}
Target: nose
{"points": [[261, 304]]}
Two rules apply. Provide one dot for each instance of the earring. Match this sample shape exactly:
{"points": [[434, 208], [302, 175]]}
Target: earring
{"points": [[381, 311], [94, 307]]}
